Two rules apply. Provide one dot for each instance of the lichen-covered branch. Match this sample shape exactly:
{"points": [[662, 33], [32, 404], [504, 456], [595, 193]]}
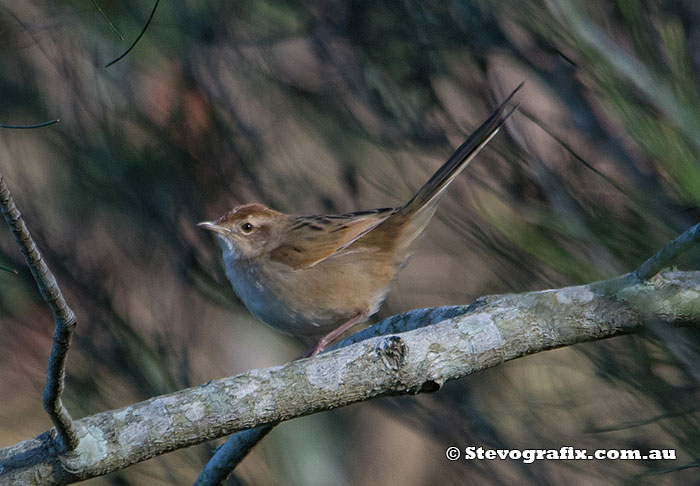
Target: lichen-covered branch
{"points": [[425, 348], [64, 320]]}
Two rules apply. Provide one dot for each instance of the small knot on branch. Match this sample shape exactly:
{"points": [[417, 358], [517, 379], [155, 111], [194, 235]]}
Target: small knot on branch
{"points": [[392, 351]]}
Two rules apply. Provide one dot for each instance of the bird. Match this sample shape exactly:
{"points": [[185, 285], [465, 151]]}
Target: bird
{"points": [[317, 276]]}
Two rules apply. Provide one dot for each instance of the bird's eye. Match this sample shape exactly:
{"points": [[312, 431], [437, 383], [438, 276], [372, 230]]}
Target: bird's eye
{"points": [[246, 228]]}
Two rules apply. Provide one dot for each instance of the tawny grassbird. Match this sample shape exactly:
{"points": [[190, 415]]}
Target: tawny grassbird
{"points": [[316, 276]]}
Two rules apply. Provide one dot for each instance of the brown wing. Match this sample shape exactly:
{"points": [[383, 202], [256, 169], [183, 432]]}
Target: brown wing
{"points": [[312, 239]]}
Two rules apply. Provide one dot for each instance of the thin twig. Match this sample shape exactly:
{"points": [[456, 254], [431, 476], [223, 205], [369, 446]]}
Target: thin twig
{"points": [[64, 320], [8, 269], [572, 152], [143, 31], [104, 16], [26, 127], [663, 257]]}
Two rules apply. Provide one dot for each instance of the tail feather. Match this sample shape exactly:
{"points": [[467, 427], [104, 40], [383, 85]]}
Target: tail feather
{"points": [[428, 196], [417, 212]]}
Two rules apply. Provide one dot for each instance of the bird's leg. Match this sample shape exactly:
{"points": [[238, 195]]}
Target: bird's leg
{"points": [[328, 338]]}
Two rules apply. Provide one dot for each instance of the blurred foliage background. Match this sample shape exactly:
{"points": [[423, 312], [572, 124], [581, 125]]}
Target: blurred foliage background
{"points": [[337, 106]]}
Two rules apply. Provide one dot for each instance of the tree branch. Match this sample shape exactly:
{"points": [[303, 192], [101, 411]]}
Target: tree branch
{"points": [[680, 244], [453, 343], [64, 320], [230, 454]]}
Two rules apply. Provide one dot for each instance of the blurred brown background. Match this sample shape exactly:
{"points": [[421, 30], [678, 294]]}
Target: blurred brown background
{"points": [[337, 106]]}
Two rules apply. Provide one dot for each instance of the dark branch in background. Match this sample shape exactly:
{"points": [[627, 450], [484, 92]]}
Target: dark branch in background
{"points": [[64, 320], [143, 31], [432, 346], [25, 127], [104, 16], [572, 152], [228, 456], [663, 257]]}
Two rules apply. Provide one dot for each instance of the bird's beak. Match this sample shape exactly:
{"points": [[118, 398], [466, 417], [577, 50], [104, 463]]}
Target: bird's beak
{"points": [[211, 226]]}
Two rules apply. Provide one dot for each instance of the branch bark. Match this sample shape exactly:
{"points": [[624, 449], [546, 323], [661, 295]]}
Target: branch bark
{"points": [[431, 347], [64, 320]]}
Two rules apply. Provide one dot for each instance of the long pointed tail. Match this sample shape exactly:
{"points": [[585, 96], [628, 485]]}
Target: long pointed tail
{"points": [[428, 196]]}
